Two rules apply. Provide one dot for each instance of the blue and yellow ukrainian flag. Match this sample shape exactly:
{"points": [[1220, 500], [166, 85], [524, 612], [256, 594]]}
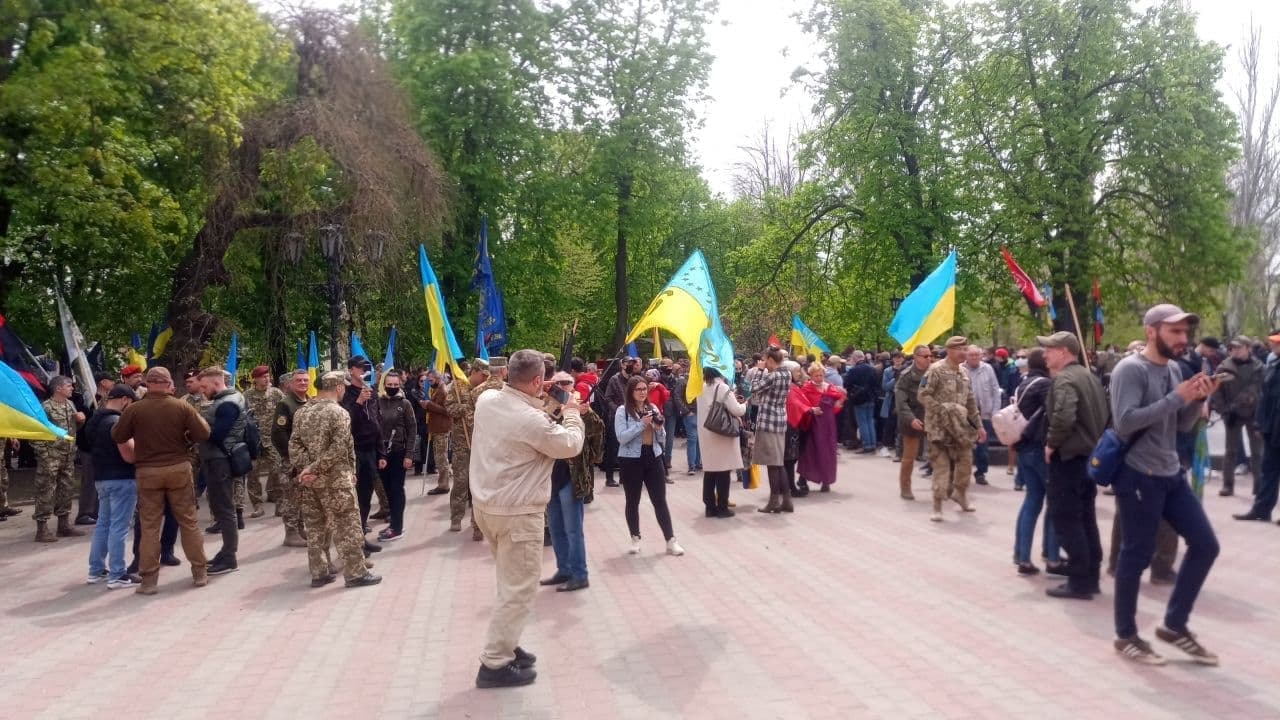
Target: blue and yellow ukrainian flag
{"points": [[804, 340], [687, 308], [313, 365], [21, 416], [930, 309], [157, 342], [442, 337]]}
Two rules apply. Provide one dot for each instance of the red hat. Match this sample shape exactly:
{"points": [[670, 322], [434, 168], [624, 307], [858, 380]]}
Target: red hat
{"points": [[130, 370], [1002, 353], [260, 371]]}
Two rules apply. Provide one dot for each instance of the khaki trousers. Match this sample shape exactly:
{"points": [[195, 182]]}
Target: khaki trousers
{"points": [[910, 448], [155, 484], [516, 544]]}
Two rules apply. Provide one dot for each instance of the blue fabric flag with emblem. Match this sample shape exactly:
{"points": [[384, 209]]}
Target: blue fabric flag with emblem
{"points": [[491, 326]]}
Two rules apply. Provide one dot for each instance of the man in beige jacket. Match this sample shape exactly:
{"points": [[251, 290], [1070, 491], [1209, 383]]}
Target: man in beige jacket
{"points": [[512, 453]]}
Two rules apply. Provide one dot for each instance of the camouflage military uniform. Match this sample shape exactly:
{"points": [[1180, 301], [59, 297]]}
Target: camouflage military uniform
{"points": [[4, 477], [461, 406], [55, 482], [322, 444], [950, 420], [198, 402], [262, 405], [281, 429]]}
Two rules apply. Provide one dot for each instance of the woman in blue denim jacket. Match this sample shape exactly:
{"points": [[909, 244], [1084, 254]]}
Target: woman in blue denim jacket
{"points": [[640, 430]]}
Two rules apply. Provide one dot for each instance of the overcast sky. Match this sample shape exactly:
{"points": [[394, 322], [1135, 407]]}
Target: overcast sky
{"points": [[758, 43]]}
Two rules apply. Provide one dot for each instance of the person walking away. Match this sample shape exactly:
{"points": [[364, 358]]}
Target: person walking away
{"points": [[163, 429], [322, 453], [117, 491], [1268, 425], [721, 454], [399, 430], [1150, 402], [55, 461], [860, 384], [906, 389], [640, 429], [1075, 416], [1030, 398], [952, 424], [1237, 404], [513, 449]]}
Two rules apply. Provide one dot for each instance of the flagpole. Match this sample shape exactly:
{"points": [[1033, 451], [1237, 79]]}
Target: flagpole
{"points": [[1076, 320]]}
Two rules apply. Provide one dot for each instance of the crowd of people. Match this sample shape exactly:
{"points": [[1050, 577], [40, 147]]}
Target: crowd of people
{"points": [[518, 442]]}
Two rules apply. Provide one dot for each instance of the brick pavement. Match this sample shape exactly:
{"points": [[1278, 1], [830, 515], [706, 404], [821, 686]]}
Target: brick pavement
{"points": [[855, 606]]}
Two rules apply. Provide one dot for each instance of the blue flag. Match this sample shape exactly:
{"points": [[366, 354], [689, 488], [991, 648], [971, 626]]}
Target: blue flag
{"points": [[233, 357], [491, 327], [357, 348]]}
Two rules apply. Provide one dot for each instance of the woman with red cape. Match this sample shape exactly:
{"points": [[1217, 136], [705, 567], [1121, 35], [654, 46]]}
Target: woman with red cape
{"points": [[812, 409]]}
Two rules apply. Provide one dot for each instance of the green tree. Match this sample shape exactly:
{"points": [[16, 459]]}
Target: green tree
{"points": [[112, 116]]}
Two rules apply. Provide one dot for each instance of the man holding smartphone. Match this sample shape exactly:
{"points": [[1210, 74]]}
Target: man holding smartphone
{"points": [[1150, 403]]}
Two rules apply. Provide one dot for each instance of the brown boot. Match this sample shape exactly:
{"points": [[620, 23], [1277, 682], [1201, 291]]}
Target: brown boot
{"points": [[292, 538], [773, 505], [66, 530], [43, 534]]}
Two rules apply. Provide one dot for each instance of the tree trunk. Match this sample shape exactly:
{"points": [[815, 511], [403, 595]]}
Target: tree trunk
{"points": [[277, 322], [203, 265], [621, 318]]}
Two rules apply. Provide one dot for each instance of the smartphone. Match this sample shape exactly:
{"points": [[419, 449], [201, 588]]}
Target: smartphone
{"points": [[560, 394]]}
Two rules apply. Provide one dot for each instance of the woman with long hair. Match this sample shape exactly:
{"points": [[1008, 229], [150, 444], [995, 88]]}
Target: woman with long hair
{"points": [[818, 457], [1032, 472], [721, 454], [640, 430]]}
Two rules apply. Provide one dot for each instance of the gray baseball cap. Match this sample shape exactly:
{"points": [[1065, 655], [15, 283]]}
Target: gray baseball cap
{"points": [[1166, 313]]}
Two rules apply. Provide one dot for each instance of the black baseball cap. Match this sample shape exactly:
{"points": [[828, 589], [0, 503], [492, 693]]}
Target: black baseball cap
{"points": [[121, 390], [359, 361]]}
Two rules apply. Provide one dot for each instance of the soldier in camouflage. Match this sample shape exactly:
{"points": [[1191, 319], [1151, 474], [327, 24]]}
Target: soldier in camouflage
{"points": [[953, 426], [295, 534], [262, 399], [322, 453], [6, 512], [196, 399], [461, 407], [56, 463]]}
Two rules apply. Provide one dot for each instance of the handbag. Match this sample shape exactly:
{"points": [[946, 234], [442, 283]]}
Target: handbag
{"points": [[240, 460], [1009, 423], [720, 422], [1108, 456]]}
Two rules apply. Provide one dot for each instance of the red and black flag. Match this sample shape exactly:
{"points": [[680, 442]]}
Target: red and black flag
{"points": [[1028, 287], [16, 354]]}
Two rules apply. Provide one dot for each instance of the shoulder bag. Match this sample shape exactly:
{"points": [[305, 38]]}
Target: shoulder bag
{"points": [[719, 421]]}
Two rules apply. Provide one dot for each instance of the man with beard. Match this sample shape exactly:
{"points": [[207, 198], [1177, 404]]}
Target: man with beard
{"points": [[1150, 403]]}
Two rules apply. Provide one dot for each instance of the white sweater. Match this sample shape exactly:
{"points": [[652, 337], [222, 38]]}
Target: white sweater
{"points": [[513, 449]]}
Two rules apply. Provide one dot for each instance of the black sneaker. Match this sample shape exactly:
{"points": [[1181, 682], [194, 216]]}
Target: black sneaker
{"points": [[389, 535], [981, 479], [213, 529], [524, 659], [322, 581], [1138, 650], [510, 675], [364, 580], [1066, 592], [1187, 643], [222, 566], [370, 547], [170, 560], [1027, 568]]}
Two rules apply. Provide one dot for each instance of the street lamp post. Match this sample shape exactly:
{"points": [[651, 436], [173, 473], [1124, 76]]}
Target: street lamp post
{"points": [[332, 246]]}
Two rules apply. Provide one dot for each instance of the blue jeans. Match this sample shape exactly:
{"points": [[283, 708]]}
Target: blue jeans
{"points": [[866, 416], [692, 451], [116, 502], [980, 455], [1141, 501], [1031, 473], [564, 517]]}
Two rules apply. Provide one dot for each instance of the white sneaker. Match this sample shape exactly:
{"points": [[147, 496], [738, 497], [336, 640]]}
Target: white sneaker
{"points": [[635, 545], [95, 579], [124, 582], [935, 517], [884, 452], [673, 548]]}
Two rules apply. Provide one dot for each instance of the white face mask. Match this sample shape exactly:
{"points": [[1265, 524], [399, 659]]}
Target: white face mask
{"points": [[1020, 363]]}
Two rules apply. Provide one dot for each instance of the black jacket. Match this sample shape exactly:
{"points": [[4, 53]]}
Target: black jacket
{"points": [[1032, 393], [1269, 405], [366, 421], [861, 383]]}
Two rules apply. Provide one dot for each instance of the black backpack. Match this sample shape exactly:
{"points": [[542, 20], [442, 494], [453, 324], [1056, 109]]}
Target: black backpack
{"points": [[252, 436]]}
